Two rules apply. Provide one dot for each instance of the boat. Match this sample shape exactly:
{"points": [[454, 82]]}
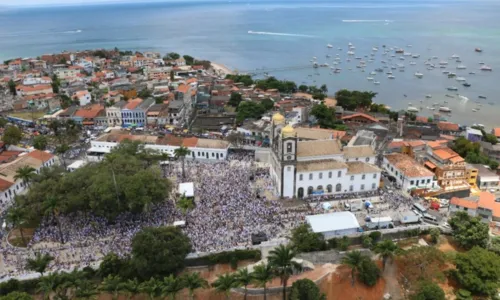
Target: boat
{"points": [[428, 96], [461, 67], [442, 66], [454, 56], [376, 82], [379, 70], [419, 75], [449, 96], [481, 97], [350, 44], [401, 58], [474, 110], [412, 63], [328, 56], [460, 79], [350, 53], [357, 57], [466, 84], [393, 68], [444, 109], [373, 73], [446, 72], [452, 88], [481, 62], [412, 109], [375, 49], [415, 55], [478, 50], [434, 57], [329, 46], [451, 75], [486, 68], [389, 73], [458, 61], [472, 73], [407, 54], [391, 77], [383, 61], [399, 51], [443, 63]]}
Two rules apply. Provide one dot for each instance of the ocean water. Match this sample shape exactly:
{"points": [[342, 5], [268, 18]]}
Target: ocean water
{"points": [[286, 35]]}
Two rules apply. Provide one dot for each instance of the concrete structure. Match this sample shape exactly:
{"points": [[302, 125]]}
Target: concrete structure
{"points": [[471, 174], [487, 180], [176, 113], [484, 206], [335, 224], [313, 166], [134, 112], [473, 135], [490, 150], [408, 172], [83, 97], [65, 73], [114, 113]]}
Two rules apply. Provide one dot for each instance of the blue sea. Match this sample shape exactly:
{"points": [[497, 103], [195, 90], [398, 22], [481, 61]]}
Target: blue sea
{"points": [[288, 34]]}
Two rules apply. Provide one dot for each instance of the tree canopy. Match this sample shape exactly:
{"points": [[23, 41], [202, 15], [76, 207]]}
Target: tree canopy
{"points": [[469, 231], [326, 117], [235, 99], [478, 271], [351, 100], [306, 289], [172, 55], [245, 79], [471, 151], [249, 110], [159, 251], [428, 291], [284, 86], [304, 239], [421, 263], [12, 135], [40, 142]]}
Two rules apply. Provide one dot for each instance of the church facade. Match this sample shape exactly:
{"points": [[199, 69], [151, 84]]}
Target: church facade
{"points": [[307, 163]]}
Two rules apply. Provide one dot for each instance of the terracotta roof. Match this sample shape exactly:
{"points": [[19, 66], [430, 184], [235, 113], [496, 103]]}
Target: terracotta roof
{"points": [[430, 165], [496, 132], [464, 203], [34, 88], [40, 155], [457, 159], [397, 144], [448, 137], [191, 80], [408, 165], [445, 153], [436, 144], [416, 143], [318, 148], [132, 104], [183, 88], [318, 133], [89, 112], [362, 115], [487, 200], [190, 142], [358, 151], [448, 126], [214, 144], [5, 185], [320, 165], [422, 119], [358, 167]]}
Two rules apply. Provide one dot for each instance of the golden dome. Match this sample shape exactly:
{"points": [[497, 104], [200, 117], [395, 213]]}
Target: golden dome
{"points": [[278, 118], [287, 130]]}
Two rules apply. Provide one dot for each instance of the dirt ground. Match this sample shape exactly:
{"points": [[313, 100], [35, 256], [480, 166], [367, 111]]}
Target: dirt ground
{"points": [[446, 244], [15, 236]]}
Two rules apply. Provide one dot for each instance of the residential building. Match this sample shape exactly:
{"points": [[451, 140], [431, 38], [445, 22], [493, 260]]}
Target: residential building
{"points": [[471, 173], [255, 131], [134, 112], [448, 128], [176, 113], [490, 150], [484, 206], [114, 113], [91, 115], [487, 180], [15, 65], [65, 73], [31, 80], [201, 149], [25, 90], [359, 118], [84, 97], [153, 113], [307, 167], [473, 135], [496, 132], [162, 73], [408, 172]]}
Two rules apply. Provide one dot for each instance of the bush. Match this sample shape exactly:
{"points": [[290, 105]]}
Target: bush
{"points": [[13, 285], [366, 241], [344, 243], [463, 295], [434, 232], [375, 236], [305, 289], [305, 240], [428, 291], [224, 258], [333, 243], [368, 272]]}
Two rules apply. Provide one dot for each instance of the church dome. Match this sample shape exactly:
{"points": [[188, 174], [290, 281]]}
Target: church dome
{"points": [[278, 118], [287, 131]]}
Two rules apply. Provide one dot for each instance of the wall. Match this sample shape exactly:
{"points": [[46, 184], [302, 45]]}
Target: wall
{"points": [[404, 181], [345, 180], [288, 179], [454, 208], [366, 159]]}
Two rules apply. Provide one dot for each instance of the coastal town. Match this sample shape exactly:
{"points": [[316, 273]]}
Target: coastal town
{"points": [[100, 148]]}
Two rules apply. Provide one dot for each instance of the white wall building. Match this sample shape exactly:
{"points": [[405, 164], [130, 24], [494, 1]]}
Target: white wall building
{"points": [[408, 172], [64, 73], [317, 166]]}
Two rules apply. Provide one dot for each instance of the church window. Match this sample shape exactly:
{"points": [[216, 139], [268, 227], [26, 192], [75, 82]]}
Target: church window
{"points": [[301, 177], [289, 148], [373, 186], [352, 177], [362, 187], [329, 188], [351, 188], [374, 176], [329, 174], [363, 177], [339, 174], [288, 169], [311, 176], [320, 175], [367, 159], [338, 187]]}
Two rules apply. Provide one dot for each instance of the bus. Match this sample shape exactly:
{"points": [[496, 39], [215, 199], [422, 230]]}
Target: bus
{"points": [[420, 208], [430, 219]]}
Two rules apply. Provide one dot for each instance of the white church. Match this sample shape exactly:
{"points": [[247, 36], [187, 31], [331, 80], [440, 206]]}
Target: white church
{"points": [[310, 161]]}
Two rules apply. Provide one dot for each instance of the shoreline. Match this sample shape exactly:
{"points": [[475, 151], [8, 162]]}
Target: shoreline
{"points": [[221, 69]]}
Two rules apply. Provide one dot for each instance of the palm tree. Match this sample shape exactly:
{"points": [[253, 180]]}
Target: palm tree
{"points": [[25, 174], [225, 283], [181, 153], [85, 289], [262, 274], [387, 250], [17, 217], [152, 288], [281, 260], [185, 204], [353, 260], [39, 263], [244, 278], [171, 286], [129, 287], [111, 284], [193, 281], [51, 206], [48, 284]]}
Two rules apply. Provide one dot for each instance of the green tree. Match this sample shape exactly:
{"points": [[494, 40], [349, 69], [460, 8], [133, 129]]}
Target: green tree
{"points": [[249, 110], [152, 287], [17, 217], [351, 100], [435, 233], [48, 285], [224, 283], [111, 284], [462, 294], [245, 79], [325, 115], [12, 87], [469, 231], [12, 135], [86, 289], [181, 153], [17, 296], [185, 204], [189, 60], [244, 278], [282, 86], [3, 122], [306, 289], [129, 287], [267, 104], [111, 264], [369, 272], [282, 261], [193, 281], [386, 249], [262, 274], [61, 151], [353, 260], [304, 239], [172, 56], [52, 207], [478, 270], [428, 291], [40, 142], [145, 93], [25, 174], [39, 263], [171, 286], [303, 88], [235, 99], [422, 263], [159, 251]]}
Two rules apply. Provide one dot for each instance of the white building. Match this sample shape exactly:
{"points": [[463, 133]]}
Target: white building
{"points": [[334, 224], [114, 113], [317, 166], [201, 149], [64, 73], [408, 172]]}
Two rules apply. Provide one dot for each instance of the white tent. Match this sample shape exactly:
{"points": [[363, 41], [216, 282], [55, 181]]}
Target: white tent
{"points": [[186, 189]]}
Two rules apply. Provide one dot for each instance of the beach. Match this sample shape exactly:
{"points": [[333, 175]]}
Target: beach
{"points": [[221, 69]]}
